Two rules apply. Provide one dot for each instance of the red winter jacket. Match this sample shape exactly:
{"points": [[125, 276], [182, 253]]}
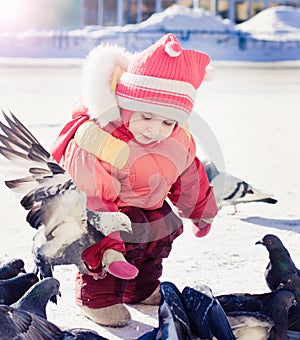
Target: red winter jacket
{"points": [[152, 173]]}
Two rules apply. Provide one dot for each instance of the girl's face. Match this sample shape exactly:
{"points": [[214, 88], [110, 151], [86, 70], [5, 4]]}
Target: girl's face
{"points": [[149, 127]]}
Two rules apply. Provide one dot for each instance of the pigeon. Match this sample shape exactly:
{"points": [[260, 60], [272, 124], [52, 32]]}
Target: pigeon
{"points": [[253, 305], [36, 298], [11, 268], [173, 320], [280, 263], [57, 209], [206, 315], [278, 310], [292, 282], [12, 289], [231, 190], [20, 324], [271, 323]]}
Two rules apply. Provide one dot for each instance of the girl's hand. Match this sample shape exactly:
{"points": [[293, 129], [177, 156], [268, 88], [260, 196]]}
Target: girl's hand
{"points": [[202, 226]]}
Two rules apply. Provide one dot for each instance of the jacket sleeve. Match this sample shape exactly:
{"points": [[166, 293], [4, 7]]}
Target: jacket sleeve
{"points": [[93, 177], [192, 194]]}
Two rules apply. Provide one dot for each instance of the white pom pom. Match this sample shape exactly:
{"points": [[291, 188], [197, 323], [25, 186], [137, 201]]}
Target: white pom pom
{"points": [[173, 49], [210, 73]]}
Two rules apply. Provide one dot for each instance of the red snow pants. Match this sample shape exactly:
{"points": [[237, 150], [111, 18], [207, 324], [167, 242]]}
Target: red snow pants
{"points": [[153, 234]]}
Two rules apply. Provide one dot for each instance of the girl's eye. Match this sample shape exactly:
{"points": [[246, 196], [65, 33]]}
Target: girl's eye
{"points": [[146, 117], [169, 122]]}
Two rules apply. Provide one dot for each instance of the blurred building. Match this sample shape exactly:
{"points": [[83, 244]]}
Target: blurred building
{"points": [[122, 12]]}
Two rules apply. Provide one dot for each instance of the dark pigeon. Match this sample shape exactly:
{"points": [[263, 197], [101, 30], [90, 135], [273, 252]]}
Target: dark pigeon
{"points": [[173, 320], [11, 290], [11, 268], [57, 209], [232, 190], [20, 324], [207, 317], [292, 282], [248, 312], [280, 263], [278, 310], [36, 298]]}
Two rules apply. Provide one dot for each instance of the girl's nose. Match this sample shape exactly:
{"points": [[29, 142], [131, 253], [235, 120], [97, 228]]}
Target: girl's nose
{"points": [[154, 126]]}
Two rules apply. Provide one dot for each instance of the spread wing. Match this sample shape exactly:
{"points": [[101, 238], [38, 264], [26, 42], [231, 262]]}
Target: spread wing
{"points": [[47, 191]]}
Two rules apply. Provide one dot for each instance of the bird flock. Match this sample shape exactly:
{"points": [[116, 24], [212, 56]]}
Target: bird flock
{"points": [[65, 227], [274, 315], [190, 314], [23, 305]]}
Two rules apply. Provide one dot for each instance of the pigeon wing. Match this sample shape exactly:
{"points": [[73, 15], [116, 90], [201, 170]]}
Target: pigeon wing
{"points": [[206, 314], [171, 300], [18, 324], [51, 194]]}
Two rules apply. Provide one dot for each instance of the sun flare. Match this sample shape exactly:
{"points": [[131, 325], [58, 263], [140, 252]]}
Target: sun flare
{"points": [[13, 14]]}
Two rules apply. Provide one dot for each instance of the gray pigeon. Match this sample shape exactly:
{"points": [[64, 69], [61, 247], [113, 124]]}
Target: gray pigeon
{"points": [[57, 209], [280, 262], [11, 268], [11, 290], [232, 190], [20, 324], [36, 298]]}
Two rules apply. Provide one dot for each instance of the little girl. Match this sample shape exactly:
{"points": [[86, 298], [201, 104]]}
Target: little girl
{"points": [[131, 157]]}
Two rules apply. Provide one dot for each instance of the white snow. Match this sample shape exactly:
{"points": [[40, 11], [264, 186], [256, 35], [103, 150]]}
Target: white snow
{"points": [[271, 35], [251, 111], [282, 23]]}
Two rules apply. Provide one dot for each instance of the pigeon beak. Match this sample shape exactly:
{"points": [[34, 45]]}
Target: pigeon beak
{"points": [[22, 270], [280, 286], [59, 293], [259, 242]]}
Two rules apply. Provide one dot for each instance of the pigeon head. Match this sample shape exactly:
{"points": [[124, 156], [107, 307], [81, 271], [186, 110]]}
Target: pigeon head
{"points": [[270, 242], [291, 282], [18, 264]]}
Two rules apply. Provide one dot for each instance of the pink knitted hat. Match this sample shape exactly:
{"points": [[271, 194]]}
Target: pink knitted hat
{"points": [[163, 79]]}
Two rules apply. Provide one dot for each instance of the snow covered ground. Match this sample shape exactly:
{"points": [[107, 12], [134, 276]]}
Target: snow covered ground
{"points": [[253, 111]]}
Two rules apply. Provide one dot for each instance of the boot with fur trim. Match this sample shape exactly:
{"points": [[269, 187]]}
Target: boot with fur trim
{"points": [[115, 263], [153, 299], [112, 316]]}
